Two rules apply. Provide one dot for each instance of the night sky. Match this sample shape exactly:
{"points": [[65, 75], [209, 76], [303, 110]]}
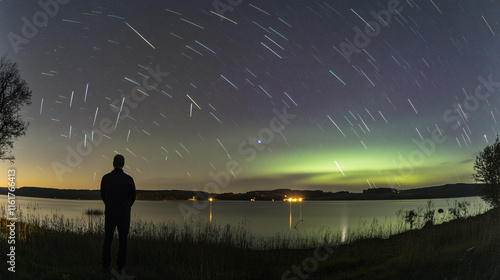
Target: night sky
{"points": [[330, 95]]}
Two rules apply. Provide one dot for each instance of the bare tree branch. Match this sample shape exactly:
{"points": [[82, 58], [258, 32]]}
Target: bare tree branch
{"points": [[14, 94]]}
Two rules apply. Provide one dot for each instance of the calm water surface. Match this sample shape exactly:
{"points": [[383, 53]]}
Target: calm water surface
{"points": [[260, 217]]}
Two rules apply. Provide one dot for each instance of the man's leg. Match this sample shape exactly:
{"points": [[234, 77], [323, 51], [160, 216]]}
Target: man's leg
{"points": [[109, 230], [123, 229]]}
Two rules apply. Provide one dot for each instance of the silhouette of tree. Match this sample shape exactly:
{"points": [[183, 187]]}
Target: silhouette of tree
{"points": [[487, 167], [14, 94]]}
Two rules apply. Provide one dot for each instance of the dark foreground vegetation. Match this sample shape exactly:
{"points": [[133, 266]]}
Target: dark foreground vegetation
{"points": [[463, 248]]}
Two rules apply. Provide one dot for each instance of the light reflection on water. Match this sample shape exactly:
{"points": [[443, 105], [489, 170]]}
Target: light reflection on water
{"points": [[265, 218]]}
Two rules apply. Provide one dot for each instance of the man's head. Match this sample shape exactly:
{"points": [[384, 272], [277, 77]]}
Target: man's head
{"points": [[118, 161]]}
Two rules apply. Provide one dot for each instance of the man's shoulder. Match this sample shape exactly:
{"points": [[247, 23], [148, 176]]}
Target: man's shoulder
{"points": [[128, 176], [113, 175], [107, 175]]}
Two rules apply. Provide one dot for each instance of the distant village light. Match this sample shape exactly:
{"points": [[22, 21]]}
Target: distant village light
{"points": [[293, 199]]}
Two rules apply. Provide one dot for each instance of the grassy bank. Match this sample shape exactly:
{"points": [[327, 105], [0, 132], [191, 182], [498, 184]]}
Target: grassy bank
{"points": [[64, 250], [460, 249]]}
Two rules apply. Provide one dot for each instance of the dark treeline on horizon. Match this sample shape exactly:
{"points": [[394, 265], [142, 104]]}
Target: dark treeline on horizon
{"points": [[444, 191]]}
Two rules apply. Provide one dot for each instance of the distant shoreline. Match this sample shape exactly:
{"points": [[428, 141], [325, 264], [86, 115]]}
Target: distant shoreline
{"points": [[444, 191]]}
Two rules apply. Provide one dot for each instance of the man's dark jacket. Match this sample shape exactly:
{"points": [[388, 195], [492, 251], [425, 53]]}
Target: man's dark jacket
{"points": [[117, 192]]}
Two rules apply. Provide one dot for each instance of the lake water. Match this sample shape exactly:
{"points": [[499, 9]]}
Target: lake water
{"points": [[264, 218]]}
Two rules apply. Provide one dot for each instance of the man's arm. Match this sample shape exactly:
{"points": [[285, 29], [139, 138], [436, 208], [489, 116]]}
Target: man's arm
{"points": [[132, 195], [103, 195]]}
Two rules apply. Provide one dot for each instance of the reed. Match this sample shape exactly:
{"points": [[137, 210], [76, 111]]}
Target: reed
{"points": [[94, 212]]}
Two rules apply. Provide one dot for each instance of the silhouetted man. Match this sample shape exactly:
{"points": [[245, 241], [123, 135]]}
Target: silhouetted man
{"points": [[118, 194]]}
